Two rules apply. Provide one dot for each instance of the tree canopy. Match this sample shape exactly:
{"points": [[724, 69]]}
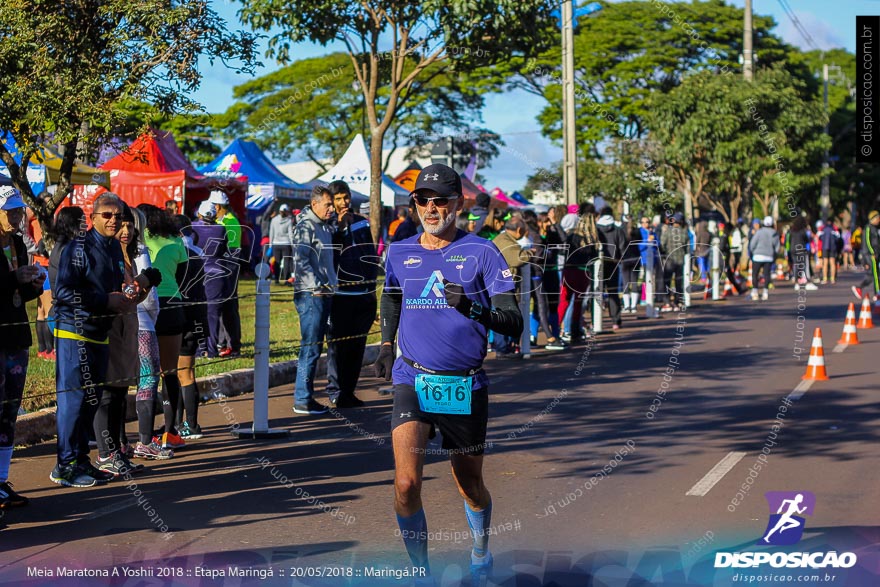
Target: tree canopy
{"points": [[396, 48], [68, 69], [724, 140], [313, 107]]}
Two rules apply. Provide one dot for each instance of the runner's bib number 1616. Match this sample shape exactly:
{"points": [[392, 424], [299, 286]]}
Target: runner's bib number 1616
{"points": [[444, 394]]}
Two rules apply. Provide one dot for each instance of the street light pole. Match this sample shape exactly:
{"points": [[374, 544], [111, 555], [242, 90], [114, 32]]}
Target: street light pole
{"points": [[569, 148]]}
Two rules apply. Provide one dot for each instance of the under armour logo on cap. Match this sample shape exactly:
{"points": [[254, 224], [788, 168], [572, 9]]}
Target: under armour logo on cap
{"points": [[439, 178]]}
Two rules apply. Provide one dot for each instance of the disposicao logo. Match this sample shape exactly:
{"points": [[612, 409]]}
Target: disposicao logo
{"points": [[784, 528]]}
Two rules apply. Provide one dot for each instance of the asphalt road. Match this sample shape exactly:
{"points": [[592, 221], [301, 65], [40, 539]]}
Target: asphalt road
{"points": [[319, 502]]}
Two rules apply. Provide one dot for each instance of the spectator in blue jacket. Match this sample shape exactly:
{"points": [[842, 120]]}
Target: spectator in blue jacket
{"points": [[87, 293]]}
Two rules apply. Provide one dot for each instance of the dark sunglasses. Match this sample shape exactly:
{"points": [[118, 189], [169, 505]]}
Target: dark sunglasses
{"points": [[108, 215], [439, 201]]}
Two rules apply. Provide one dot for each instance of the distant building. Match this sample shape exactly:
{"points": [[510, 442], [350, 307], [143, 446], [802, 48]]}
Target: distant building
{"points": [[547, 197]]}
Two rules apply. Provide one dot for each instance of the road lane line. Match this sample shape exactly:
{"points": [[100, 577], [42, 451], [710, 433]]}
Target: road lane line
{"points": [[840, 347], [801, 389], [724, 466]]}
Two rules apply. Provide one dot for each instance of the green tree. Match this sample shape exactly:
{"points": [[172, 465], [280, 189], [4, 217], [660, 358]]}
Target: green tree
{"points": [[68, 67], [628, 52], [396, 48], [850, 181], [312, 106], [724, 140]]}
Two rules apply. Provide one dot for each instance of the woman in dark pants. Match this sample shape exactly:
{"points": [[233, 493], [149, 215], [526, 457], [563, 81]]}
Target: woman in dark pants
{"points": [[122, 368], [167, 252], [19, 283]]}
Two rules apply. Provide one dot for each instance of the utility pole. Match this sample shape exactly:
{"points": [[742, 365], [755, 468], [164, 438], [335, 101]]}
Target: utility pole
{"points": [[450, 160], [748, 62], [825, 196], [569, 148]]}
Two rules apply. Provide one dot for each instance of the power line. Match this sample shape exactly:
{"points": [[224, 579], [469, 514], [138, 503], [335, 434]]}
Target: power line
{"points": [[797, 24]]}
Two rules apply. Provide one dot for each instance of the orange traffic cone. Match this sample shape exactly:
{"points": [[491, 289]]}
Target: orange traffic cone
{"points": [[728, 288], [865, 320], [816, 362], [849, 335]]}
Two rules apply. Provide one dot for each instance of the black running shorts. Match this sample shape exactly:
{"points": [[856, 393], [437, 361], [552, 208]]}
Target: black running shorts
{"points": [[171, 319], [462, 433], [195, 331]]}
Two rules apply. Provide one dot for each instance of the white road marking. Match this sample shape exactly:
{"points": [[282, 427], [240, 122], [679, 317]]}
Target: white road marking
{"points": [[724, 466], [801, 389], [840, 347]]}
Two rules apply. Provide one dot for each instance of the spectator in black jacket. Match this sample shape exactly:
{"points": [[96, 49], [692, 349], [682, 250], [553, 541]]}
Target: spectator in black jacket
{"points": [[354, 306], [613, 240], [19, 283]]}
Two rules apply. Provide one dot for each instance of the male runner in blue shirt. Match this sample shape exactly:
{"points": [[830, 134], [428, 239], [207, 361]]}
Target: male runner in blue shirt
{"points": [[444, 289]]}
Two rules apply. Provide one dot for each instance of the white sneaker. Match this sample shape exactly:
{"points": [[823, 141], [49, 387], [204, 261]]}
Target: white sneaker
{"points": [[796, 287], [811, 286], [755, 295], [765, 295]]}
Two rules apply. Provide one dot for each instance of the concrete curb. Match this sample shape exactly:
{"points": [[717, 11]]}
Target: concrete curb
{"points": [[38, 426]]}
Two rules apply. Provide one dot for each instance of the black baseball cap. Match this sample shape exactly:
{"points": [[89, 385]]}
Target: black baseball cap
{"points": [[439, 178]]}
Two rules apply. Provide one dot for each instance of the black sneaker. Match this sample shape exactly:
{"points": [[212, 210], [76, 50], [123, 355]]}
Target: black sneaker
{"points": [[188, 433], [312, 407], [135, 467], [346, 401], [99, 475], [9, 498], [71, 476]]}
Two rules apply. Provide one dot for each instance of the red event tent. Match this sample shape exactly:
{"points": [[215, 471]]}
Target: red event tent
{"points": [[153, 170]]}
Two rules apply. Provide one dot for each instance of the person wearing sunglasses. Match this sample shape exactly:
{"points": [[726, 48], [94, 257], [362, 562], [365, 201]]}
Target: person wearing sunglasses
{"points": [[444, 290], [88, 292]]}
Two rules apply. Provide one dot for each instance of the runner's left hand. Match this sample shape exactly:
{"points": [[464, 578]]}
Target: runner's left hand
{"points": [[455, 297]]}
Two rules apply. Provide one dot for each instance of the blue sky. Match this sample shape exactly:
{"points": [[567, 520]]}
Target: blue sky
{"points": [[513, 115]]}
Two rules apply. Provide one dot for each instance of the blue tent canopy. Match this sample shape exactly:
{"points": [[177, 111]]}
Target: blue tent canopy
{"points": [[518, 197], [265, 181]]}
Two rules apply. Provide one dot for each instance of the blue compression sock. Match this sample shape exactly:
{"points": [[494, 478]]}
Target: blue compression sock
{"points": [[5, 459], [479, 522], [414, 531]]}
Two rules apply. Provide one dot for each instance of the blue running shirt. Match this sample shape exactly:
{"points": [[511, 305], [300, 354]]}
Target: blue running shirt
{"points": [[431, 332]]}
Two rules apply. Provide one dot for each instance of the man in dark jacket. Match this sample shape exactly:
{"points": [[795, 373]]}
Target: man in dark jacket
{"points": [[19, 284], [87, 292], [613, 240], [354, 306]]}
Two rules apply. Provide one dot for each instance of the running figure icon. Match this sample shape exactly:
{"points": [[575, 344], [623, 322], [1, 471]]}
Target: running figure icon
{"points": [[787, 521]]}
